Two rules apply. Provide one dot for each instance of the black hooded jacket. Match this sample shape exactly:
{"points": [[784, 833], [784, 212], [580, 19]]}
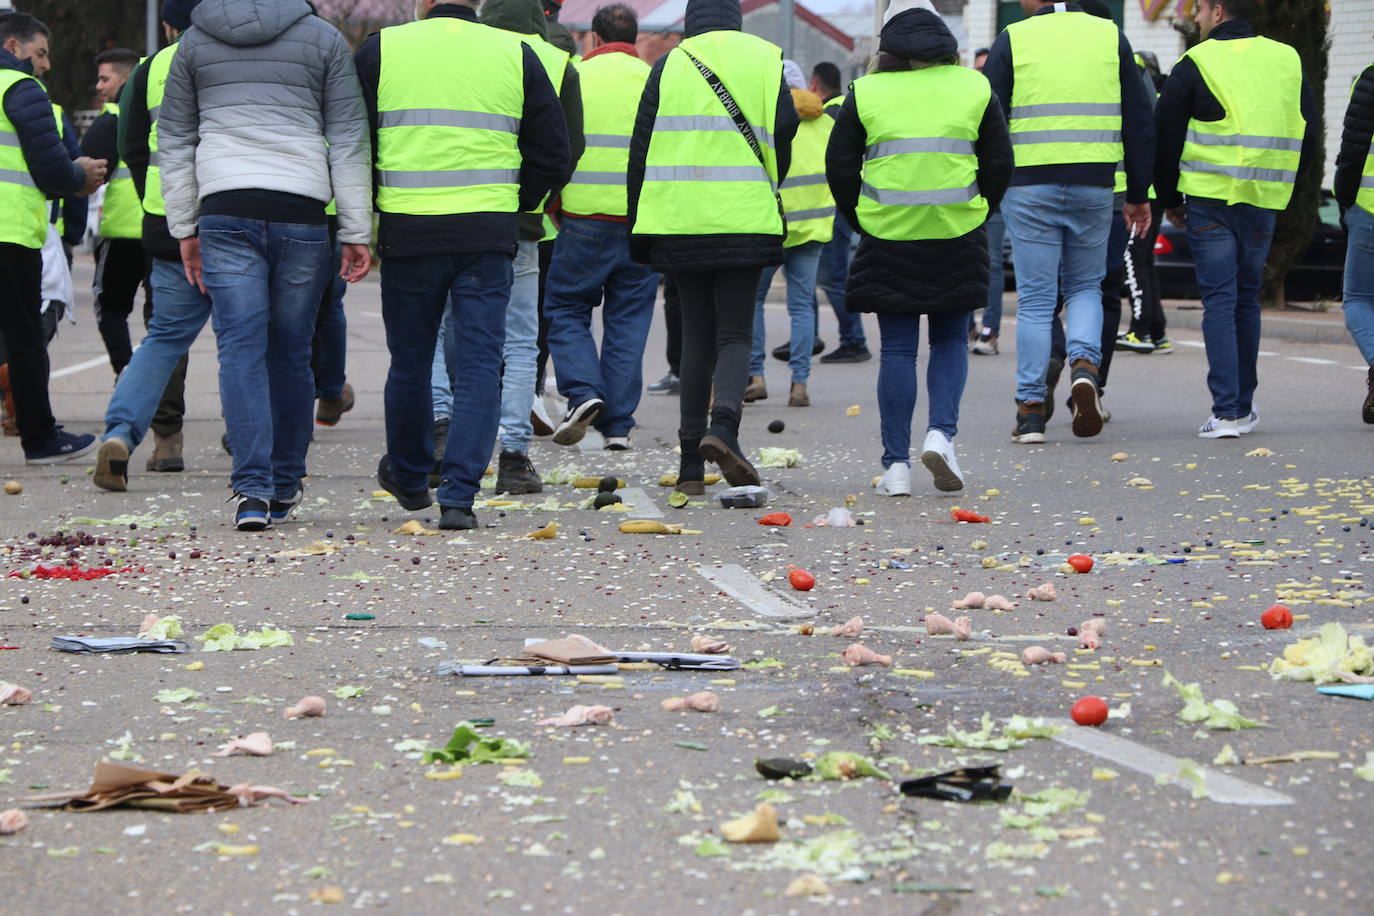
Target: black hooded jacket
{"points": [[1355, 140], [931, 276], [703, 252]]}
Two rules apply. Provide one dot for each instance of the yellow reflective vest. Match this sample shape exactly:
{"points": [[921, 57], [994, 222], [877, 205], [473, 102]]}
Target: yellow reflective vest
{"points": [[611, 86], [121, 216], [23, 207], [806, 198], [701, 176], [1250, 156], [920, 172], [158, 69]]}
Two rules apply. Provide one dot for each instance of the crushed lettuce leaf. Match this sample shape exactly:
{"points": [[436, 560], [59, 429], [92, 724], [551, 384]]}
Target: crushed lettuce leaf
{"points": [[846, 765], [176, 695], [1319, 658], [222, 637], [1188, 773], [770, 457], [1014, 733], [1220, 715], [166, 628], [467, 746], [1226, 757], [1366, 772]]}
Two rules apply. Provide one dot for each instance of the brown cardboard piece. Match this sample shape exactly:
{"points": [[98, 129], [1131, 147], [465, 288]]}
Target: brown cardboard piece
{"points": [[570, 651], [114, 785]]}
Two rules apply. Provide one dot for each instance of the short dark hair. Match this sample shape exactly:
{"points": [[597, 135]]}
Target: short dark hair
{"points": [[827, 74], [616, 22], [21, 26], [1236, 9], [122, 58]]}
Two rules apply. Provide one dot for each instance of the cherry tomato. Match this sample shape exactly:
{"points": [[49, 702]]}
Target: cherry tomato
{"points": [[778, 519], [1277, 617], [801, 580], [1081, 562], [1089, 711], [967, 515]]}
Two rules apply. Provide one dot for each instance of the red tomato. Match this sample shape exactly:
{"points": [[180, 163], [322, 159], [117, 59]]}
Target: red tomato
{"points": [[1089, 711], [801, 580], [1277, 617], [967, 515], [778, 519], [1081, 562]]}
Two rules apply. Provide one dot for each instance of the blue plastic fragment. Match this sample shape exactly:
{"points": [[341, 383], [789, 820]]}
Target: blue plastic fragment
{"points": [[1358, 691]]}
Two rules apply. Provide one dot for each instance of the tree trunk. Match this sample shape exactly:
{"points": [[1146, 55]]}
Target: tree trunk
{"points": [[80, 31]]}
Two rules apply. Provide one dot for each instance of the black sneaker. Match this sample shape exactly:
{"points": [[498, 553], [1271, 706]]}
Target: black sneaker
{"points": [[280, 509], [457, 518], [1087, 403], [1030, 423], [1367, 412], [783, 351], [112, 465], [1056, 368], [250, 513], [224, 444], [516, 475], [61, 447], [410, 500], [574, 424], [669, 384], [848, 353], [440, 449]]}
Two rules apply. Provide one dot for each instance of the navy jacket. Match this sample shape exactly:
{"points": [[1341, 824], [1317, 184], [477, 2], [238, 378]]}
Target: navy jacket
{"points": [[73, 208], [1185, 95], [30, 111], [1137, 125], [1355, 138]]}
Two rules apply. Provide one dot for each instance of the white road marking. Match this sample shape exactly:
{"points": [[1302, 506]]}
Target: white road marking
{"points": [[1190, 343], [1359, 368], [80, 367], [1268, 353], [1312, 360], [640, 503], [740, 584], [1220, 788]]}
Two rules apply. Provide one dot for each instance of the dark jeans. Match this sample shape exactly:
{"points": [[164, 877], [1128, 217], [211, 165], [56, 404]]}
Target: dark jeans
{"points": [[21, 292], [415, 290], [329, 348], [946, 373], [997, 279], [120, 266], [717, 336], [672, 320], [832, 274], [1230, 245], [1147, 311]]}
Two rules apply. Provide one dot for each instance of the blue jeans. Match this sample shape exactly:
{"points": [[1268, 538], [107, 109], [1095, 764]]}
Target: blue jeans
{"points": [[946, 372], [416, 291], [440, 382], [832, 275], [331, 334], [1359, 280], [265, 281], [521, 353], [179, 313], [1230, 245], [992, 312], [799, 265], [591, 266], [1059, 238]]}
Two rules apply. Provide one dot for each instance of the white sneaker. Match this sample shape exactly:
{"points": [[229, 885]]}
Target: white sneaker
{"points": [[1248, 424], [896, 480], [1219, 429], [617, 444], [938, 456]]}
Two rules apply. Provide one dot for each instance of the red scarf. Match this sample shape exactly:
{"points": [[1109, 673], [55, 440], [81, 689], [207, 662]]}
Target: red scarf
{"points": [[613, 47]]}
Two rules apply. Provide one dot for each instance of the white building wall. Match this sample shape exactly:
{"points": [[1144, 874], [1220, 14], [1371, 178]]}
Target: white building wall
{"points": [[1352, 23]]}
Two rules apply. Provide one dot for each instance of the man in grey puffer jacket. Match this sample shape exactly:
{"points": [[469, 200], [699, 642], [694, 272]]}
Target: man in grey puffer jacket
{"points": [[261, 126]]}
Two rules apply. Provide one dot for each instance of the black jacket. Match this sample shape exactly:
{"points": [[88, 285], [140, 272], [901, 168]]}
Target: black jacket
{"points": [[927, 276], [1355, 139], [30, 111], [545, 164], [134, 125], [1185, 95], [703, 252], [1137, 124]]}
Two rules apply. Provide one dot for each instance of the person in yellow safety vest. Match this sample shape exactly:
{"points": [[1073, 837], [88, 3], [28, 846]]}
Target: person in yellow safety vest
{"points": [[151, 391], [591, 258], [919, 156], [1236, 124], [468, 133], [119, 267], [34, 165], [67, 218], [712, 141], [515, 473], [1354, 190], [810, 212], [1072, 118]]}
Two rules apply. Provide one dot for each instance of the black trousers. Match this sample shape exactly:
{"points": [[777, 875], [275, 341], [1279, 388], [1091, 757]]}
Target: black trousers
{"points": [[26, 346], [542, 364], [672, 318], [120, 266], [717, 337], [1147, 310]]}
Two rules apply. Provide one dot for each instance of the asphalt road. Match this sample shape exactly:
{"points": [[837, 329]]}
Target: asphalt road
{"points": [[623, 819]]}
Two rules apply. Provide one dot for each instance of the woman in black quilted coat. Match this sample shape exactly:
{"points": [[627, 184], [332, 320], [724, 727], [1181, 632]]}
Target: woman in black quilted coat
{"points": [[943, 279]]}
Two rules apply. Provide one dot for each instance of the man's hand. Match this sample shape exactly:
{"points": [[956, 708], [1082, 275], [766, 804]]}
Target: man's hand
{"points": [[190, 262], [357, 261], [1178, 216], [95, 170], [1137, 218]]}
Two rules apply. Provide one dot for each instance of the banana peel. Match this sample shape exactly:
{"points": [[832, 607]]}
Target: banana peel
{"points": [[592, 483], [759, 827], [415, 528], [670, 480], [648, 526], [547, 533]]}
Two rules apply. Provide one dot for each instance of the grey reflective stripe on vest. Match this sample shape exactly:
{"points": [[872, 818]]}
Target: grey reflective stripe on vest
{"points": [[920, 145], [705, 173], [802, 181], [1367, 181], [608, 141], [447, 117], [598, 178], [450, 178], [1068, 110], [722, 123], [1252, 141], [1244, 173], [14, 176], [1024, 137], [816, 213], [152, 114], [893, 198], [121, 172], [8, 139], [154, 159]]}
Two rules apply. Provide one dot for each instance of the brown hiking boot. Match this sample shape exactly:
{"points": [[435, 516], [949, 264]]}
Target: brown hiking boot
{"points": [[166, 455], [112, 465], [798, 396], [756, 390], [329, 410], [1087, 404], [7, 404]]}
